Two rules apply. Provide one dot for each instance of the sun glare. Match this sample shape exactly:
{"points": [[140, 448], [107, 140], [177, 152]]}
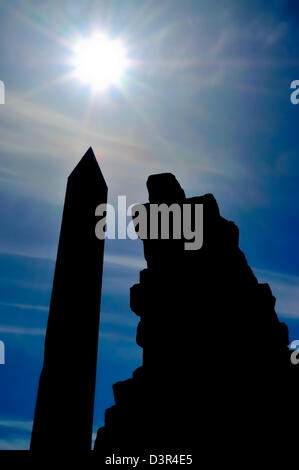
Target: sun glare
{"points": [[100, 61]]}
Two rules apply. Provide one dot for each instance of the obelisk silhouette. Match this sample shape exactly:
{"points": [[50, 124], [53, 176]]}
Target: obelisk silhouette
{"points": [[65, 402]]}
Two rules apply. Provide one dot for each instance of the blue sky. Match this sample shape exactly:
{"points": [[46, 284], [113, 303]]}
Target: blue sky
{"points": [[207, 97]]}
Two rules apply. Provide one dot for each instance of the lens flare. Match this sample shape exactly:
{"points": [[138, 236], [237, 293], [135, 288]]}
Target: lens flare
{"points": [[100, 61]]}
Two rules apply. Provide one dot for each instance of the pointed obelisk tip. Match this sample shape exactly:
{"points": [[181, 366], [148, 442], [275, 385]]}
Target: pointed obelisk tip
{"points": [[89, 154], [88, 165], [88, 157]]}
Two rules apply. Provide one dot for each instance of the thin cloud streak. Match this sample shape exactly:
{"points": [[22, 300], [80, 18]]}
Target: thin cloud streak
{"points": [[18, 434], [16, 424], [285, 288], [15, 444], [129, 262], [13, 330], [41, 308]]}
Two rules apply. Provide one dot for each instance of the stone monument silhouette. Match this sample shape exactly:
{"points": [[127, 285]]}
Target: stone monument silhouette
{"points": [[216, 373], [216, 369], [64, 409]]}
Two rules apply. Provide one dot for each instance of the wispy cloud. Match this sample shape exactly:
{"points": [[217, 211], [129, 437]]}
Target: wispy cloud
{"points": [[41, 308], [285, 288], [15, 330], [53, 123], [118, 338], [35, 136], [119, 319], [18, 434], [277, 33], [16, 424], [14, 443], [130, 262]]}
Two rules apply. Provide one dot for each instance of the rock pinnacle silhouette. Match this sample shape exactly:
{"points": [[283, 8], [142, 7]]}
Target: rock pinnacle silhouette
{"points": [[216, 370]]}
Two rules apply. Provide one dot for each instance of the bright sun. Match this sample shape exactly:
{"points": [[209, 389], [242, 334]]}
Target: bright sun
{"points": [[100, 61]]}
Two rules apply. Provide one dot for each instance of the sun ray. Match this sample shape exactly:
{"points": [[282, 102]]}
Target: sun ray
{"points": [[45, 86], [25, 18], [153, 129]]}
